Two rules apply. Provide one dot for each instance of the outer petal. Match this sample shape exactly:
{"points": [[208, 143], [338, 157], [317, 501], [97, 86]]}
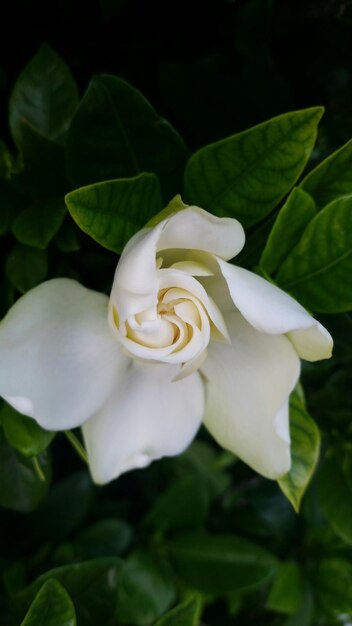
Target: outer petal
{"points": [[247, 390], [147, 417], [272, 311], [135, 285], [58, 357]]}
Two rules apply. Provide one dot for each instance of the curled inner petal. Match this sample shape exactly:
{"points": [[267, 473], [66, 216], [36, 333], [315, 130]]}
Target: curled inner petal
{"points": [[177, 329]]}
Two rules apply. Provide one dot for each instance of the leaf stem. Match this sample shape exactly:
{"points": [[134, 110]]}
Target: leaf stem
{"points": [[38, 469], [76, 444]]}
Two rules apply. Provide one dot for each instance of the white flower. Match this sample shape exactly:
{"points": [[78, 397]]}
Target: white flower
{"points": [[186, 337]]}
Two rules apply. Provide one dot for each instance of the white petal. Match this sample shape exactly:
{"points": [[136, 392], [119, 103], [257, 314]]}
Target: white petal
{"points": [[196, 229], [247, 389], [58, 357], [271, 310], [135, 284], [148, 417]]}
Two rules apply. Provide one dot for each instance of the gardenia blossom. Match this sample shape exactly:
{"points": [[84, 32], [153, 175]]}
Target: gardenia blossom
{"points": [[184, 338]]}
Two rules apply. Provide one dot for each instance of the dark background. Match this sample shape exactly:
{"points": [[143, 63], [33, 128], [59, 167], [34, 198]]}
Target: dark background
{"points": [[211, 68]]}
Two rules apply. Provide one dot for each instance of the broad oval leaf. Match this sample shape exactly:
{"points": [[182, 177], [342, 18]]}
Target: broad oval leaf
{"points": [[116, 133], [23, 433], [332, 178], [52, 606], [185, 614], [219, 563], [112, 211], [92, 585], [318, 270], [147, 590], [37, 224], [298, 210], [167, 513], [21, 488], [305, 447], [287, 591], [108, 537], [45, 96], [246, 175]]}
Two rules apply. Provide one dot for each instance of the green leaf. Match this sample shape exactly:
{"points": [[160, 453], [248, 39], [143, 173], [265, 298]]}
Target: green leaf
{"points": [[26, 267], [111, 212], [52, 606], [298, 210], [116, 133], [219, 563], [21, 489], [147, 590], [109, 537], [175, 205], [332, 178], [286, 593], [186, 614], [92, 586], [37, 225], [305, 613], [73, 495], [245, 176], [305, 447], [45, 96], [335, 495], [318, 270], [23, 433], [167, 513], [333, 586]]}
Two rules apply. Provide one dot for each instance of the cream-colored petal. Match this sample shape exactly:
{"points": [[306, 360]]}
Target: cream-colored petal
{"points": [[147, 417], [272, 311], [135, 284], [58, 357], [248, 384], [197, 229]]}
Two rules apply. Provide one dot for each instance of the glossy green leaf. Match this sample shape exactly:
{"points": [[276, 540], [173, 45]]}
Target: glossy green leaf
{"points": [[21, 488], [333, 585], [318, 270], [109, 537], [219, 563], [174, 206], [305, 447], [147, 590], [185, 614], [52, 606], [116, 133], [26, 267], [73, 495], [332, 178], [37, 224], [111, 212], [286, 593], [298, 210], [92, 586], [23, 433], [45, 96], [335, 495], [183, 505], [245, 176]]}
